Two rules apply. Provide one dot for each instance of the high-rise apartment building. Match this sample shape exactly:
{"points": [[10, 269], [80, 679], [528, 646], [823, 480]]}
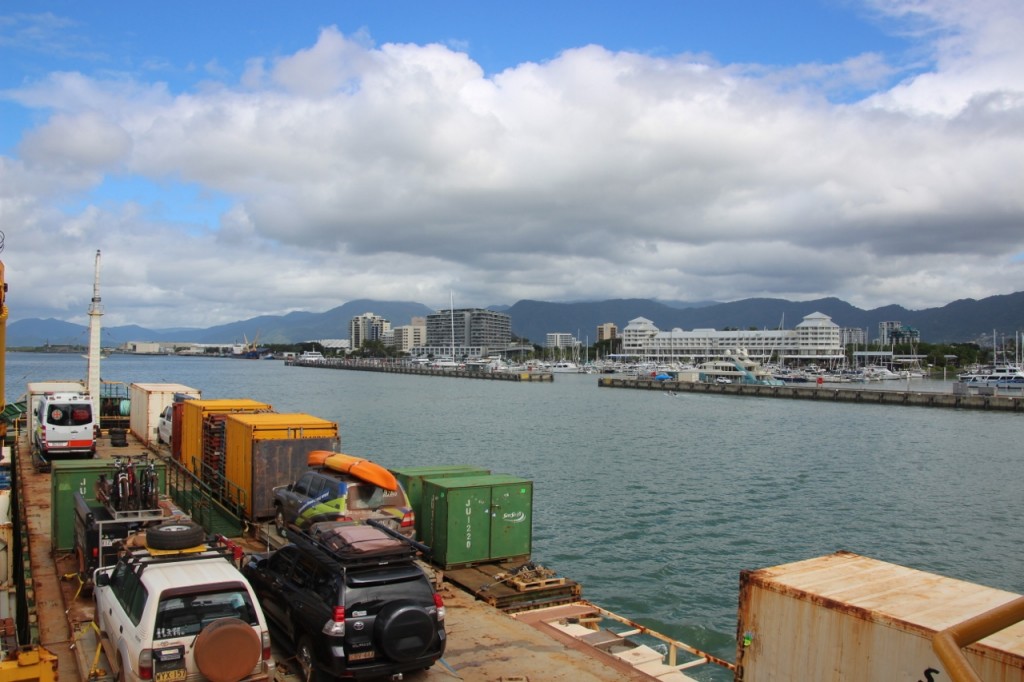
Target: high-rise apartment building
{"points": [[367, 327], [467, 332]]}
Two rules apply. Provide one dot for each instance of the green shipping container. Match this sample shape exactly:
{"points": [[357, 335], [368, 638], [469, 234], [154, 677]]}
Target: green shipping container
{"points": [[70, 476], [476, 519], [412, 478]]}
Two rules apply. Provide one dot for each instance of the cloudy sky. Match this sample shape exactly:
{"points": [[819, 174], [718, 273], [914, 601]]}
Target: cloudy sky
{"points": [[233, 159]]}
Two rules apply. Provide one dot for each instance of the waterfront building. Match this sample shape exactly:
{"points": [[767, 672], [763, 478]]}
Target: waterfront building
{"points": [[556, 340], [815, 340], [608, 332], [410, 336], [885, 331], [336, 346], [367, 327], [853, 336], [466, 333]]}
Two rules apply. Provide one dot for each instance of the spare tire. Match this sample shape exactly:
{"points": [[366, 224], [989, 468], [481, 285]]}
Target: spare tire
{"points": [[227, 650], [175, 535], [404, 631]]}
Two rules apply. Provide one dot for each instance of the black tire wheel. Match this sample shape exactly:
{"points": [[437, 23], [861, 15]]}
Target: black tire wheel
{"points": [[306, 658], [175, 535], [404, 631], [279, 521]]}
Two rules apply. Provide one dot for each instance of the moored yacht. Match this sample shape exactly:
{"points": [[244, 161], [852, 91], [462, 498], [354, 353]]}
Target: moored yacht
{"points": [[1000, 376], [735, 367]]}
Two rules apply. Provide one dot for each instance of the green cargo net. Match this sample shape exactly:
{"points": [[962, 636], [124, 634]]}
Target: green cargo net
{"points": [[13, 411]]}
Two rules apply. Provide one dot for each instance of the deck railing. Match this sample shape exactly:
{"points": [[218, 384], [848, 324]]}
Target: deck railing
{"points": [[949, 643]]}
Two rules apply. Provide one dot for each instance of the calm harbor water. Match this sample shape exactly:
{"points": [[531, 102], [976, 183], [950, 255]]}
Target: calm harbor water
{"points": [[654, 502]]}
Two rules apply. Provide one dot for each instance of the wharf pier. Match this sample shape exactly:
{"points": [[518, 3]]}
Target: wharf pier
{"points": [[457, 373], [990, 400]]}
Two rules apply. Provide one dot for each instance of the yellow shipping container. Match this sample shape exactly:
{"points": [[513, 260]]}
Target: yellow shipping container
{"points": [[193, 412], [270, 449]]}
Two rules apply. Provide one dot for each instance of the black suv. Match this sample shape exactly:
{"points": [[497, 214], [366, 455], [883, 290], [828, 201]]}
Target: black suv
{"points": [[352, 600]]}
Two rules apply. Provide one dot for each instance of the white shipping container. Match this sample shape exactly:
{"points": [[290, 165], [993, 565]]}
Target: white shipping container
{"points": [[148, 401], [845, 617]]}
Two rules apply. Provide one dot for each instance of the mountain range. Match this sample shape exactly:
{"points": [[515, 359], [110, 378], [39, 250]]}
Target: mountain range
{"points": [[963, 320]]}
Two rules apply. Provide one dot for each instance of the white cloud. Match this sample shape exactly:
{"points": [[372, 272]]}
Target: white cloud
{"points": [[403, 172]]}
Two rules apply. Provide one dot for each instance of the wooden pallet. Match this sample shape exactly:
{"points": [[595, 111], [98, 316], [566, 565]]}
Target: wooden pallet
{"points": [[489, 583], [535, 584]]}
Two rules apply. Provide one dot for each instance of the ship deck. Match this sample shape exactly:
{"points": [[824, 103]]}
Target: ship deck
{"points": [[484, 642]]}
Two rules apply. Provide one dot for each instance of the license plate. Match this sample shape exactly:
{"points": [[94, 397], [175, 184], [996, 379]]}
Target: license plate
{"points": [[361, 656], [171, 675]]}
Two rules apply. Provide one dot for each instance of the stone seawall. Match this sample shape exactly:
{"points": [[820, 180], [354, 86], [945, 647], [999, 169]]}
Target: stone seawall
{"points": [[995, 402]]}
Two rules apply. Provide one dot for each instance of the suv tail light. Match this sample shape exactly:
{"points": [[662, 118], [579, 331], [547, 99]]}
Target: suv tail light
{"points": [[439, 603], [265, 641], [336, 626], [146, 664], [408, 519]]}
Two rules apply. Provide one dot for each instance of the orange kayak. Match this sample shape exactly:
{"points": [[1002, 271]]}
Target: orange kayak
{"points": [[360, 467]]}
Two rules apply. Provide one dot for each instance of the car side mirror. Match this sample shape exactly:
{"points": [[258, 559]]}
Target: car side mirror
{"points": [[102, 579]]}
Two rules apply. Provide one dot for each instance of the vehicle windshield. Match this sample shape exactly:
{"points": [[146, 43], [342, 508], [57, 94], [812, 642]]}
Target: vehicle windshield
{"points": [[182, 615]]}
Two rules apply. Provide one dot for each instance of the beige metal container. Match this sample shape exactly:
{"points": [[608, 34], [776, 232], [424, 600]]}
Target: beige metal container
{"points": [[193, 412], [845, 617], [270, 449], [148, 401]]}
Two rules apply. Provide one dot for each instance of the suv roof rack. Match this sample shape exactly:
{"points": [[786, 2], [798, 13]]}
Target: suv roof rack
{"points": [[138, 558], [347, 551]]}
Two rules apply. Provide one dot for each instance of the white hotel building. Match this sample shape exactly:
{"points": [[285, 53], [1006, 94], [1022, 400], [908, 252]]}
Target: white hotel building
{"points": [[816, 340]]}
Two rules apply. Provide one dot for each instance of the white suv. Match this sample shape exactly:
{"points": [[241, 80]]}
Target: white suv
{"points": [[164, 426], [172, 615]]}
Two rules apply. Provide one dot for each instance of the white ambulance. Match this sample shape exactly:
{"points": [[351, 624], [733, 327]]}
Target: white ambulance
{"points": [[65, 426]]}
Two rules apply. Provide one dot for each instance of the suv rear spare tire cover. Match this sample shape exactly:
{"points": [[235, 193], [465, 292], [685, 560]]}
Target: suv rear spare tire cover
{"points": [[405, 631], [175, 535], [227, 650]]}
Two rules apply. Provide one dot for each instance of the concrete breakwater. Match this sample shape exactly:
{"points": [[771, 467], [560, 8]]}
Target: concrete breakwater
{"points": [[969, 401], [391, 368]]}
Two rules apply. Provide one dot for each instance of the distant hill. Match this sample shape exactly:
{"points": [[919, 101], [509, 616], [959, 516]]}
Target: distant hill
{"points": [[962, 320], [291, 328]]}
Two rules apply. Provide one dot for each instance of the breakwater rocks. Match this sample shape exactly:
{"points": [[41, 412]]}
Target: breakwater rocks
{"points": [[969, 401]]}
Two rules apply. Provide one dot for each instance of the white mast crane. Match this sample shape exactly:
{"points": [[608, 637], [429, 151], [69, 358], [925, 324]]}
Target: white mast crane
{"points": [[95, 313]]}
